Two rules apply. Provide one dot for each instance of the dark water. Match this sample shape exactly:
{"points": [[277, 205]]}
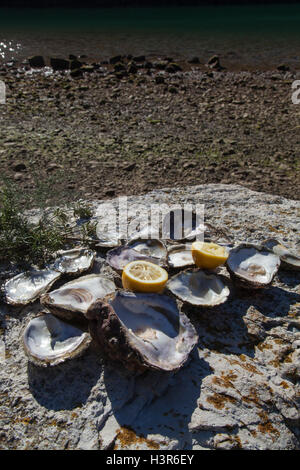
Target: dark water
{"points": [[253, 35]]}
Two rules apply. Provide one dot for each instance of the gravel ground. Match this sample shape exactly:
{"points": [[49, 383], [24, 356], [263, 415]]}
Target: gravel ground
{"points": [[108, 132]]}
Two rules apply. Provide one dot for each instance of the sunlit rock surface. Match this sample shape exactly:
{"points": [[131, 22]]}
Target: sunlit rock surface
{"points": [[240, 388]]}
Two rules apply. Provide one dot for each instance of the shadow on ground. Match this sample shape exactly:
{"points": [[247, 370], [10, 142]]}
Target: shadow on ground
{"points": [[66, 386]]}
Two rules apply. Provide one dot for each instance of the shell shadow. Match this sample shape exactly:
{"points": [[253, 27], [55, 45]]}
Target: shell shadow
{"points": [[223, 328], [159, 404], [289, 278], [67, 385]]}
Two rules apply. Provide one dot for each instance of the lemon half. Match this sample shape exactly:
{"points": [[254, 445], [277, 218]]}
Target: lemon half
{"points": [[143, 276], [208, 255]]}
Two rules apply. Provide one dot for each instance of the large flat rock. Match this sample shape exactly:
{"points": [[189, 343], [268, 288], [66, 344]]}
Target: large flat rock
{"points": [[240, 388]]}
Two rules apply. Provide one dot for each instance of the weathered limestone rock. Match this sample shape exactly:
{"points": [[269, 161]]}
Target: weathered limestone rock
{"points": [[240, 388]]}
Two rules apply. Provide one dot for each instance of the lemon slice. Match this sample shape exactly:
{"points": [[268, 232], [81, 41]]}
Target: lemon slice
{"points": [[208, 255], [143, 276]]}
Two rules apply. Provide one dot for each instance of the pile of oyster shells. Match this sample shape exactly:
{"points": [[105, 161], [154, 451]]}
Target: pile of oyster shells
{"points": [[143, 331]]}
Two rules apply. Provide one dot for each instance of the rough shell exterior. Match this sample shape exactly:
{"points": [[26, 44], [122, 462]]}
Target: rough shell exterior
{"points": [[84, 295], [112, 335]]}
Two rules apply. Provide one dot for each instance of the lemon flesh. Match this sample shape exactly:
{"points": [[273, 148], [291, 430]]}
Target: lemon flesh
{"points": [[143, 276], [208, 255]]}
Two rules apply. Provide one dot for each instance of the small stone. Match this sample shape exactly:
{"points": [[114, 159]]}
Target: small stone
{"points": [[59, 64], [130, 167], [115, 59], [121, 74], [132, 68], [119, 67], [214, 62], [18, 176], [75, 64], [172, 68], [159, 65], [283, 68], [76, 73], [189, 165], [140, 58], [194, 60], [159, 79], [19, 167], [36, 61], [88, 68]]}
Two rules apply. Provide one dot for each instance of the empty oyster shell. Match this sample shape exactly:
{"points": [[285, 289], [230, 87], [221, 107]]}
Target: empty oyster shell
{"points": [[198, 287], [252, 266], [48, 341], [108, 239], [289, 260], [27, 287], [180, 256], [142, 330], [72, 300], [74, 261], [147, 250], [152, 248]]}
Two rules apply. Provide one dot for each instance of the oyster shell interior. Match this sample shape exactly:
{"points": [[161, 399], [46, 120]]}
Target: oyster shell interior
{"points": [[198, 287], [109, 239], [152, 248], [154, 328], [74, 261], [289, 259], [28, 286], [50, 341], [78, 295], [180, 256], [119, 257], [253, 264]]}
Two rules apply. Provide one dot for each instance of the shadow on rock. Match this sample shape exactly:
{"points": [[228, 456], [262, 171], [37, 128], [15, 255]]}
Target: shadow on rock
{"points": [[223, 328], [159, 406], [289, 278], [67, 385], [275, 301]]}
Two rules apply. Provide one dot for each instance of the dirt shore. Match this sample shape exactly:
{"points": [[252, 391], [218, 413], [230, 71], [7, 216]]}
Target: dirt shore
{"points": [[108, 130]]}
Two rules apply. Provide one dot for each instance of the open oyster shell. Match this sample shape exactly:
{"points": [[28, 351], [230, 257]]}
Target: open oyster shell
{"points": [[180, 256], [289, 260], [142, 330], [147, 250], [48, 341], [152, 248], [74, 261], [72, 300], [29, 286], [252, 266], [109, 239], [199, 287]]}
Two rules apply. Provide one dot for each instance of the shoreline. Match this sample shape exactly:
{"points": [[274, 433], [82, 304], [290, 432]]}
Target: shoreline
{"points": [[132, 126]]}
